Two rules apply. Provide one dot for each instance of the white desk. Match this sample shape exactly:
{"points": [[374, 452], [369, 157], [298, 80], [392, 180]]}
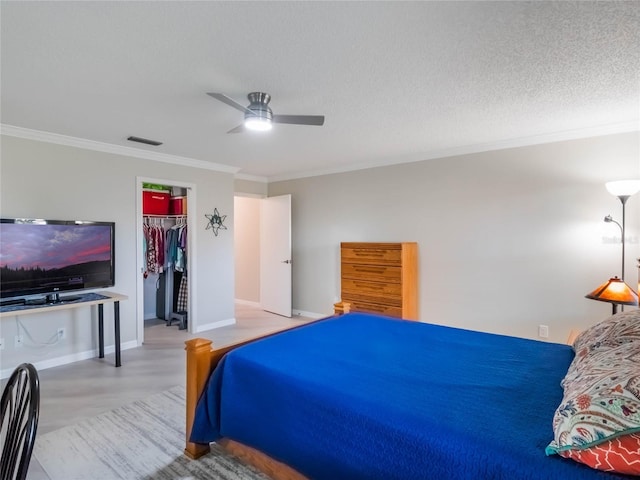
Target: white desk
{"points": [[106, 297]]}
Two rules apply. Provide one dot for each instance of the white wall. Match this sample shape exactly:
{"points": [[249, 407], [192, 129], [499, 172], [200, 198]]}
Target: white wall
{"points": [[44, 180], [508, 239], [252, 188], [247, 249]]}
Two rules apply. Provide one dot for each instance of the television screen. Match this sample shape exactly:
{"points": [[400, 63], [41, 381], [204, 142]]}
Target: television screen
{"points": [[50, 256]]}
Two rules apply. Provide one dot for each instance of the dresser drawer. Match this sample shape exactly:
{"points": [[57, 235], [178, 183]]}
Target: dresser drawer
{"points": [[388, 310], [376, 256], [360, 287], [375, 273], [374, 299]]}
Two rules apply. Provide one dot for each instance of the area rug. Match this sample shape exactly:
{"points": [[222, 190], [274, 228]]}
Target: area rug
{"points": [[143, 440]]}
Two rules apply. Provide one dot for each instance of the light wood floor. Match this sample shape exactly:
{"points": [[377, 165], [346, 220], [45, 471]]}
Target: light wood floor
{"points": [[81, 390]]}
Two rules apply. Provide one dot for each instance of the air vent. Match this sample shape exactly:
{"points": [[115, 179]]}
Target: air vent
{"points": [[155, 143]]}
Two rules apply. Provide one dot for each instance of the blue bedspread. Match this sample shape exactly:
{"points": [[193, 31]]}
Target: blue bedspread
{"points": [[367, 397]]}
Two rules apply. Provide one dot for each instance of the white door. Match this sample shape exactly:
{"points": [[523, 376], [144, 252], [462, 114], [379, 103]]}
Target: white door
{"points": [[275, 254]]}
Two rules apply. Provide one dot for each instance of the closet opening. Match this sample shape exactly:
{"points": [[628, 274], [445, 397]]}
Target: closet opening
{"points": [[166, 275], [165, 255]]}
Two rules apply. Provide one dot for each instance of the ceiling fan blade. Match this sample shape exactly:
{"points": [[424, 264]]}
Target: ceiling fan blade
{"points": [[230, 101], [299, 119], [239, 129]]}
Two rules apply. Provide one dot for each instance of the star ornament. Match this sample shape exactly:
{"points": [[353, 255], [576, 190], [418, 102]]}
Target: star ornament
{"points": [[215, 221]]}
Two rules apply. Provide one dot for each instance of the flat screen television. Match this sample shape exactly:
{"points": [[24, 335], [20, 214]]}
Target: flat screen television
{"points": [[46, 257]]}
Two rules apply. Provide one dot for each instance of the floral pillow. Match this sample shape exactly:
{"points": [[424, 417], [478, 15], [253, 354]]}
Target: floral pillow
{"points": [[620, 328], [599, 416]]}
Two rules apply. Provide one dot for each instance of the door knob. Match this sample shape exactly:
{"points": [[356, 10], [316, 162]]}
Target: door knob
{"points": [[286, 261]]}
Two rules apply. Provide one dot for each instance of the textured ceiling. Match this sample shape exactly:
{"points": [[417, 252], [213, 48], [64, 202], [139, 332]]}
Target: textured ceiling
{"points": [[396, 81]]}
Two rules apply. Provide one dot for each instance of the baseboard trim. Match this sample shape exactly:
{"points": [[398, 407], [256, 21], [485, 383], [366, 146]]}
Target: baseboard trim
{"points": [[72, 358], [218, 324], [302, 313], [249, 303], [294, 312]]}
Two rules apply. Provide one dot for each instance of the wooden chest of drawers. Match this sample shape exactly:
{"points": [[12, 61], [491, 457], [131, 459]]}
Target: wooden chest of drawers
{"points": [[380, 278]]}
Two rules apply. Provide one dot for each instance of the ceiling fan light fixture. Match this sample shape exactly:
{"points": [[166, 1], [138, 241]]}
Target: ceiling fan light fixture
{"points": [[258, 116], [258, 124]]}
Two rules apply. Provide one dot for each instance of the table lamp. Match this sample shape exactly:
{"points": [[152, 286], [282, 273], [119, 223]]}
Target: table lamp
{"points": [[616, 292]]}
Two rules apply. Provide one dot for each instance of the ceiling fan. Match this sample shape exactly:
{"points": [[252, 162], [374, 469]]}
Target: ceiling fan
{"points": [[258, 115]]}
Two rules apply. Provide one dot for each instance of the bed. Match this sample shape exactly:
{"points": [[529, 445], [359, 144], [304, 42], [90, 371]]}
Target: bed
{"points": [[362, 396]]}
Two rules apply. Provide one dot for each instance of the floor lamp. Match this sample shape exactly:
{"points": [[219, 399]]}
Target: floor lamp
{"points": [[623, 189], [615, 290]]}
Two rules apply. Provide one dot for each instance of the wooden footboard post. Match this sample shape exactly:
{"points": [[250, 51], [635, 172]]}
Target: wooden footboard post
{"points": [[198, 370]]}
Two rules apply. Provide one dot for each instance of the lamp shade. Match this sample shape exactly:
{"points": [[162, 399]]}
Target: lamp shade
{"points": [[614, 291], [623, 188]]}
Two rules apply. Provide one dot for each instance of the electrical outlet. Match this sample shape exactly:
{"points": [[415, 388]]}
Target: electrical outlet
{"points": [[543, 331], [1, 343], [62, 334], [18, 341]]}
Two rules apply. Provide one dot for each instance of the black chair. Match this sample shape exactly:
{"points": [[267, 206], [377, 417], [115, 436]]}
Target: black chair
{"points": [[19, 410]]}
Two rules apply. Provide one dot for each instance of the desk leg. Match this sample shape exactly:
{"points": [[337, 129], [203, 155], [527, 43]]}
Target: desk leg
{"points": [[100, 331], [116, 321]]}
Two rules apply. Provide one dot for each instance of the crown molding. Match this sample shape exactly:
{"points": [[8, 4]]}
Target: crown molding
{"points": [[37, 135], [251, 178], [40, 136], [602, 130]]}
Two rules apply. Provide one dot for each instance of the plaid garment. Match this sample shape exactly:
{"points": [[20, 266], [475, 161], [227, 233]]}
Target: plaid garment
{"points": [[183, 291]]}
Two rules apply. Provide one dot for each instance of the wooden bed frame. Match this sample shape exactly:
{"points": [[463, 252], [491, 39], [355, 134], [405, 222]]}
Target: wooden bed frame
{"points": [[201, 361]]}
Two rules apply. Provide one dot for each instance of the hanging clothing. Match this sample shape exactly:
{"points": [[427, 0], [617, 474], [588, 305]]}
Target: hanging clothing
{"points": [[181, 257], [176, 243], [165, 252], [154, 241], [183, 304], [171, 245]]}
